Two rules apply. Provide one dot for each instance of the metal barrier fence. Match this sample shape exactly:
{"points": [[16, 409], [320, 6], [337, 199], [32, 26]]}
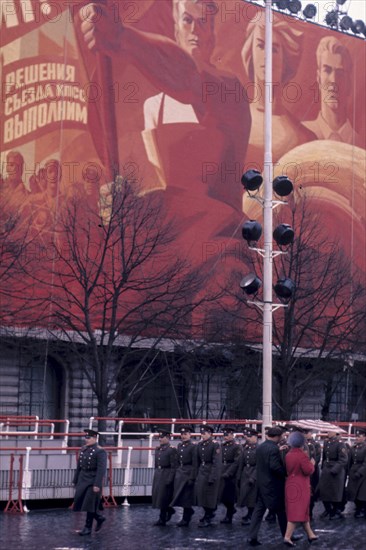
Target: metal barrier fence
{"points": [[122, 472], [9, 422]]}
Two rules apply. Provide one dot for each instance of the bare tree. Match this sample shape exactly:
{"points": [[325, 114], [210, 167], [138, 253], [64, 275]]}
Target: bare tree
{"points": [[16, 256], [325, 321], [117, 291]]}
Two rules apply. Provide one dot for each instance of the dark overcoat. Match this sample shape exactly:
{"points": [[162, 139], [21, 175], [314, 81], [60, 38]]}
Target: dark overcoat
{"points": [[185, 475], [230, 456], [90, 471], [209, 471], [314, 451], [247, 476], [271, 475], [357, 476], [333, 474], [166, 462], [297, 487]]}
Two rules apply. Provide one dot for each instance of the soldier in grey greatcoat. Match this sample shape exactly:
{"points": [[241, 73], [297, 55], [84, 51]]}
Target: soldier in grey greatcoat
{"points": [[247, 474], [333, 475], [166, 462], [357, 475], [88, 479], [208, 476], [185, 476], [314, 451], [230, 456]]}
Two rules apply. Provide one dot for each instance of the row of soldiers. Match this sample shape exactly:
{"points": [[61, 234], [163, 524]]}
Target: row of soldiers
{"points": [[207, 473]]}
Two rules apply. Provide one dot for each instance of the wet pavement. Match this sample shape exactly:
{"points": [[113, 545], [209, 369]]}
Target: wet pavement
{"points": [[130, 528]]}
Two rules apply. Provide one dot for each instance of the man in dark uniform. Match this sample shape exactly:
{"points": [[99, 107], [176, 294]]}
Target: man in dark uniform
{"points": [[185, 476], [284, 449], [333, 475], [166, 462], [357, 476], [271, 485], [247, 474], [314, 451], [88, 479], [208, 476], [230, 455]]}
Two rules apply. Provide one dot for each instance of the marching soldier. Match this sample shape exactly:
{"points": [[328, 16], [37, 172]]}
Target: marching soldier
{"points": [[247, 474], [230, 455], [357, 475], [208, 476], [166, 461], [314, 451], [185, 476], [333, 475], [88, 479]]}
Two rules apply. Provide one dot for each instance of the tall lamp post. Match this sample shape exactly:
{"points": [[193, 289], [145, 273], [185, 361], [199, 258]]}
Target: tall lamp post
{"points": [[252, 232], [267, 225]]}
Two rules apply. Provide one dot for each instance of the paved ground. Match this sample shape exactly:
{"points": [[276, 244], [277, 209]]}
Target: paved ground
{"points": [[131, 528]]}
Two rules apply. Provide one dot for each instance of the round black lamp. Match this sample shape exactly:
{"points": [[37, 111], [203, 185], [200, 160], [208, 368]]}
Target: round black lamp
{"points": [[250, 284], [251, 231], [294, 6], [252, 180], [346, 23], [282, 186], [284, 288], [310, 11], [284, 234]]}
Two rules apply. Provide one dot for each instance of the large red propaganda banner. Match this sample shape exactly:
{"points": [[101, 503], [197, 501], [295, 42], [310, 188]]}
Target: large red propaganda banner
{"points": [[171, 93]]}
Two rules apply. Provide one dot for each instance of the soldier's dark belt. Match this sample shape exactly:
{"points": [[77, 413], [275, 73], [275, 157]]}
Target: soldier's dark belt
{"points": [[164, 467], [228, 462]]}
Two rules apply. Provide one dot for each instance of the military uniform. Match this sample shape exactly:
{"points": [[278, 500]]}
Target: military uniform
{"points": [[314, 451], [247, 479], [208, 476], [230, 456], [356, 490], [333, 475], [184, 480], [166, 462], [90, 471]]}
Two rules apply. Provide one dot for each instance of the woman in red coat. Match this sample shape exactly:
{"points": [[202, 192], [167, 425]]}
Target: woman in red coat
{"points": [[297, 489]]}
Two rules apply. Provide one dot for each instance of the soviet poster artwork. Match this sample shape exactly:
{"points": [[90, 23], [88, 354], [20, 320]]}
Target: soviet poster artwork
{"points": [[169, 95]]}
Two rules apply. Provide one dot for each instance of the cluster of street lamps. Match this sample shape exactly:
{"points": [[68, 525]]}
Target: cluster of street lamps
{"points": [[335, 18], [339, 19], [252, 231]]}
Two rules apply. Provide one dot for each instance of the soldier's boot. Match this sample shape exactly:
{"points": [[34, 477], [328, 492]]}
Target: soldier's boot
{"points": [[336, 512], [162, 518], [358, 510], [327, 510], [169, 513], [271, 517], [88, 525], [187, 516], [248, 517], [206, 520], [230, 511], [100, 520]]}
